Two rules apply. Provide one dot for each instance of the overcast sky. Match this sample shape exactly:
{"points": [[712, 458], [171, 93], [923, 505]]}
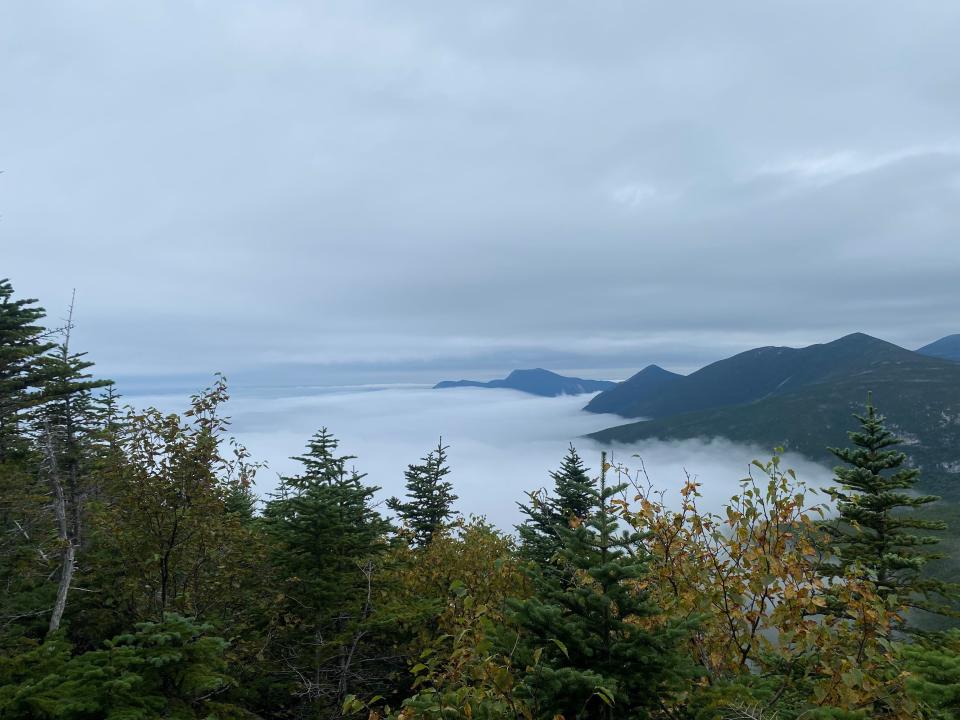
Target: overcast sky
{"points": [[373, 191]]}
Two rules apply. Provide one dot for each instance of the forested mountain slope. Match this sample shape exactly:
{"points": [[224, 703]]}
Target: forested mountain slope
{"points": [[947, 348], [921, 395], [756, 374]]}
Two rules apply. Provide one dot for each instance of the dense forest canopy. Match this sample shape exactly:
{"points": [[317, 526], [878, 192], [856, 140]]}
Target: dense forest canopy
{"points": [[142, 577]]}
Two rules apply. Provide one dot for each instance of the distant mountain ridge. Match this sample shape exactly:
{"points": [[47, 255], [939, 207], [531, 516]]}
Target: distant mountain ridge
{"points": [[947, 348], [803, 398], [750, 376], [536, 381]]}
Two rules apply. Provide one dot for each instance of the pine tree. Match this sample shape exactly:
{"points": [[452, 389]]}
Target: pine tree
{"points": [[431, 498], [328, 536], [594, 647], [875, 503], [572, 500]]}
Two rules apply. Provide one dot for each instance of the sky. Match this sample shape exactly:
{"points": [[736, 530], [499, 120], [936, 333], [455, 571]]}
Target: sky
{"points": [[502, 443], [366, 191]]}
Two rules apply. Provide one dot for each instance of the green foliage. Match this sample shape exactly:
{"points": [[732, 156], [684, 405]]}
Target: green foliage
{"points": [[597, 647], [572, 499], [27, 542], [166, 534], [24, 344], [876, 516], [431, 498], [448, 599], [327, 539], [933, 662], [171, 669], [47, 458]]}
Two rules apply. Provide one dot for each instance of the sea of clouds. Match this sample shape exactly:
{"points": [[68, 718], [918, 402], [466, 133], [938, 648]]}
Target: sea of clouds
{"points": [[503, 443]]}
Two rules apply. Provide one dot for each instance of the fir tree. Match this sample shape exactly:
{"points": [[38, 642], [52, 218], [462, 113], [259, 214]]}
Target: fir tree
{"points": [[173, 669], [592, 646], [573, 498], [66, 429], [875, 504], [431, 497], [327, 536], [46, 422], [23, 345]]}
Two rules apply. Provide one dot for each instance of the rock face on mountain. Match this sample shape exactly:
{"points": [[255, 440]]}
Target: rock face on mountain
{"points": [[802, 399], [536, 382], [947, 348]]}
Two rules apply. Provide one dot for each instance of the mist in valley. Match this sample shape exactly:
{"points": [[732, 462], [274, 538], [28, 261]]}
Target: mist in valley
{"points": [[503, 443]]}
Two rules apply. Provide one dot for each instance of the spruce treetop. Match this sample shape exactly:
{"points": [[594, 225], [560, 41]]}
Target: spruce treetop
{"points": [[876, 506], [430, 507]]}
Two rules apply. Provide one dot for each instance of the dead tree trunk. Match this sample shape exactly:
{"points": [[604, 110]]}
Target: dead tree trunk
{"points": [[68, 550]]}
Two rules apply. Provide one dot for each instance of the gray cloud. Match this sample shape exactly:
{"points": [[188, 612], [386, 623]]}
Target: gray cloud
{"points": [[364, 189]]}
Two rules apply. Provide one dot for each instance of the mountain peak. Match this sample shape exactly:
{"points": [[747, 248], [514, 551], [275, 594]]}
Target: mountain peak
{"points": [[857, 338], [532, 372], [653, 369], [946, 348]]}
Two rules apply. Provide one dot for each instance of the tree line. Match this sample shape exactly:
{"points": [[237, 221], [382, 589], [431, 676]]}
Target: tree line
{"points": [[141, 577]]}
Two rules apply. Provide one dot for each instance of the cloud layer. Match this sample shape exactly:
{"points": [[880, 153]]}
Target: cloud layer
{"points": [[502, 443], [374, 190]]}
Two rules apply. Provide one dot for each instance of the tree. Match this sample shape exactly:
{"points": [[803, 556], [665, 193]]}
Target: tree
{"points": [[445, 600], [28, 551], [171, 669], [66, 428], [597, 647], [875, 505], [46, 422], [572, 500], [327, 537], [168, 539], [768, 641], [933, 662], [23, 345], [431, 498]]}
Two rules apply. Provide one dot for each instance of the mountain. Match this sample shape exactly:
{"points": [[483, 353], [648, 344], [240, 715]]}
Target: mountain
{"points": [[811, 409], [947, 348], [752, 376], [536, 382], [646, 383]]}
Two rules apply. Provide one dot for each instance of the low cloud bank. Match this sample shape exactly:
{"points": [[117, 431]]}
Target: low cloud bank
{"points": [[502, 443]]}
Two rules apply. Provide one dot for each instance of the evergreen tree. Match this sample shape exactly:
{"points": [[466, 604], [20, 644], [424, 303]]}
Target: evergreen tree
{"points": [[933, 664], [66, 429], [875, 504], [430, 506], [327, 537], [23, 345], [573, 498], [594, 647], [46, 422], [173, 669]]}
